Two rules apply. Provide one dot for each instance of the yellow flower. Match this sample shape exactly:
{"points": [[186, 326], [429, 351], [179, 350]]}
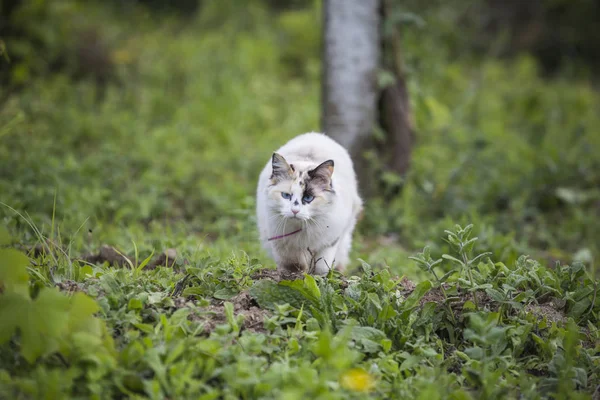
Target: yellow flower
{"points": [[357, 380]]}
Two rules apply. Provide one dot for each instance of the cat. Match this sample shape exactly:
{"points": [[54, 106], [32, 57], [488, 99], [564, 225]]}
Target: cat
{"points": [[307, 205]]}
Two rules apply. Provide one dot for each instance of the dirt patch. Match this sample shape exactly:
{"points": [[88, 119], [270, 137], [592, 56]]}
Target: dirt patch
{"points": [[291, 276], [277, 275], [165, 259], [182, 302], [243, 304], [253, 315], [39, 250], [107, 254], [266, 274], [548, 311], [435, 295], [69, 286], [408, 285]]}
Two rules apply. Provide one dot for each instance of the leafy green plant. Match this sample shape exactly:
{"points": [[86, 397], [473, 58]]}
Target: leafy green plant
{"points": [[167, 156], [50, 325], [371, 333]]}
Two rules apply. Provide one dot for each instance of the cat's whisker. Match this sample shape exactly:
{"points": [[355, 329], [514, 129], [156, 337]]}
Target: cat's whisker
{"points": [[274, 218], [284, 224], [317, 224], [280, 225]]}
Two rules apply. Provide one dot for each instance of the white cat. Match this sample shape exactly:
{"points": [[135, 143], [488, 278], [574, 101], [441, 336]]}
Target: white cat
{"points": [[307, 204]]}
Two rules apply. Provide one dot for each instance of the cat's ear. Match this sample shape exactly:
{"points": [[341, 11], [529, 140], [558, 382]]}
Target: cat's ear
{"points": [[281, 169], [322, 174]]}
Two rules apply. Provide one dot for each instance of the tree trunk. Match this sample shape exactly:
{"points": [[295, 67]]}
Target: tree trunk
{"points": [[352, 104], [350, 62], [395, 114], [396, 120]]}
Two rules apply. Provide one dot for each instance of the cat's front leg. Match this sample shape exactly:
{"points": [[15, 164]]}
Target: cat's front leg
{"points": [[290, 264], [323, 260]]}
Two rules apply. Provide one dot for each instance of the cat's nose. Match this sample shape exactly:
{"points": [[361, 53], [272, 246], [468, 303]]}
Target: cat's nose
{"points": [[295, 211]]}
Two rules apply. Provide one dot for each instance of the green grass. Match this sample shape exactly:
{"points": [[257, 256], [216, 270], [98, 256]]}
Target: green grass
{"points": [[167, 157], [214, 327]]}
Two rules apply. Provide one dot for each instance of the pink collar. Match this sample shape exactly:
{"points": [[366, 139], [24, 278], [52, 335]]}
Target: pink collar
{"points": [[282, 236]]}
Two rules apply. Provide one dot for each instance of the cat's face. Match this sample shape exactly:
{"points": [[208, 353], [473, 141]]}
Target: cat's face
{"points": [[300, 192]]}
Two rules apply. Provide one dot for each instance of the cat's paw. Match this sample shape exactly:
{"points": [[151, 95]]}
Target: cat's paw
{"points": [[321, 269], [292, 267]]}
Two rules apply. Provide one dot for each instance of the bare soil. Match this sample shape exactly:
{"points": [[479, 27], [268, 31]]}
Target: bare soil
{"points": [[243, 304]]}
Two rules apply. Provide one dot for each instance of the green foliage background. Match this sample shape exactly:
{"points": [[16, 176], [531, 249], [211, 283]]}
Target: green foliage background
{"points": [[145, 128]]}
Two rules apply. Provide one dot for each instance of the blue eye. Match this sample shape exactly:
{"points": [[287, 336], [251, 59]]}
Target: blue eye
{"points": [[286, 196], [307, 198]]}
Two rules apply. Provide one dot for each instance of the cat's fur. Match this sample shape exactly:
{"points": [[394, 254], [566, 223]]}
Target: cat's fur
{"points": [[315, 165]]}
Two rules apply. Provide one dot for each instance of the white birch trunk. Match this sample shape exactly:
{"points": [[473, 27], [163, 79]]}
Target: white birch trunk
{"points": [[350, 62]]}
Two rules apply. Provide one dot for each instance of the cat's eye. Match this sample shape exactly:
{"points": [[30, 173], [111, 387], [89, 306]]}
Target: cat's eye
{"points": [[307, 198], [286, 196]]}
